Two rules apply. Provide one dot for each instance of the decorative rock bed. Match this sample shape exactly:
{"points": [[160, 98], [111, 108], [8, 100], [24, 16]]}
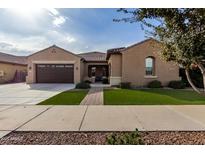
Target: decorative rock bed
{"points": [[60, 138]]}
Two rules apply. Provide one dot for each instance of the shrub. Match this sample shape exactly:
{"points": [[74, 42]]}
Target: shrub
{"points": [[195, 75], [154, 84], [105, 80], [87, 81], [82, 85], [125, 85], [176, 84], [130, 138]]}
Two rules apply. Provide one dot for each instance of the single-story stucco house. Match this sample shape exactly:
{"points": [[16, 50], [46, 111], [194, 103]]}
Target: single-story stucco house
{"points": [[12, 68], [139, 64]]}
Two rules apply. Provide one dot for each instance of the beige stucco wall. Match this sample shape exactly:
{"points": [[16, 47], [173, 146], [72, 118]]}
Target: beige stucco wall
{"points": [[53, 55], [133, 65], [82, 70], [115, 63], [9, 71]]}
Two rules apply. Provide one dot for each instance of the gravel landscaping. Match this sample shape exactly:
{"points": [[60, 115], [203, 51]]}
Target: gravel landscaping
{"points": [[62, 138]]}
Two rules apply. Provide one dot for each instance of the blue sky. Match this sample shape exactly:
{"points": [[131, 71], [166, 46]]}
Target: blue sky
{"points": [[25, 31]]}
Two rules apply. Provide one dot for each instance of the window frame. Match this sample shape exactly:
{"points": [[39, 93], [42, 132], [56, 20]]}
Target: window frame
{"points": [[152, 68]]}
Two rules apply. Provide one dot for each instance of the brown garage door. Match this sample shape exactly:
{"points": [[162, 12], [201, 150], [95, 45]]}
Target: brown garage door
{"points": [[54, 73]]}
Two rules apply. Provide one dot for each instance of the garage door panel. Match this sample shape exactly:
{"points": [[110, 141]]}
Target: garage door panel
{"points": [[55, 73]]}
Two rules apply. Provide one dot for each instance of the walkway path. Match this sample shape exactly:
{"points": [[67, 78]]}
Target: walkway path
{"points": [[94, 97]]}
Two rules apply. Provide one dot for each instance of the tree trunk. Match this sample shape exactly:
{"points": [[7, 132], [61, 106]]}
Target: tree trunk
{"points": [[190, 81], [202, 69]]}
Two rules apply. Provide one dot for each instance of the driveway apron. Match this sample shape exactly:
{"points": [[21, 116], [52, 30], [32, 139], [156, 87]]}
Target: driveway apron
{"points": [[21, 93]]}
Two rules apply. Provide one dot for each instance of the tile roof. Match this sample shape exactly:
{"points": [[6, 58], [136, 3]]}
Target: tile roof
{"points": [[138, 43], [121, 49], [114, 51], [7, 58], [93, 56], [55, 46]]}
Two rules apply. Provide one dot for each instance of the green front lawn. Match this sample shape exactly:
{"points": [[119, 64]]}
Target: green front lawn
{"points": [[152, 97], [71, 97]]}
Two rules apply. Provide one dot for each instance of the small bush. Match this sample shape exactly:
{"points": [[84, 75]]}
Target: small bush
{"points": [[125, 85], [105, 81], [132, 138], [154, 84], [87, 81], [176, 84], [82, 85]]}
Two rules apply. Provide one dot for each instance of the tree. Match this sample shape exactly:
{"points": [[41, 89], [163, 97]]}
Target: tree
{"points": [[180, 31]]}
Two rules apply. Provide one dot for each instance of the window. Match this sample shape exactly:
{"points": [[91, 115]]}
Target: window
{"points": [[69, 66], [60, 66], [104, 71], [149, 63], [42, 66]]}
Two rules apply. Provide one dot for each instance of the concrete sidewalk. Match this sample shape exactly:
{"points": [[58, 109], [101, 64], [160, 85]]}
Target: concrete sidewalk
{"points": [[102, 118]]}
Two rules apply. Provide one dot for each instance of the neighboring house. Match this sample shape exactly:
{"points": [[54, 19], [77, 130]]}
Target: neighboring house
{"points": [[12, 68], [138, 64]]}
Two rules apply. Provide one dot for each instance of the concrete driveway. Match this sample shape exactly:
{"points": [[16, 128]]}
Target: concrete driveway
{"points": [[22, 93]]}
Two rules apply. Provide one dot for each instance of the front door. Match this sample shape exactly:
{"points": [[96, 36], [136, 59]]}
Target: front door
{"points": [[98, 71]]}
